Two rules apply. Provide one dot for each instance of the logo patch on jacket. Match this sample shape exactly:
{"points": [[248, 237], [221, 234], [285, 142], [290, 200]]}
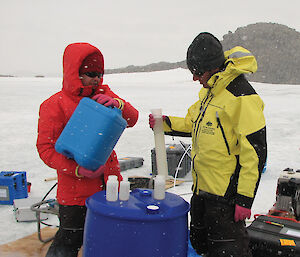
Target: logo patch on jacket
{"points": [[208, 129]]}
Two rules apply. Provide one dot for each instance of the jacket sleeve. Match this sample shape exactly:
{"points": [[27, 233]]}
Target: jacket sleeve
{"points": [[50, 125], [250, 127], [112, 167], [129, 113], [178, 126]]}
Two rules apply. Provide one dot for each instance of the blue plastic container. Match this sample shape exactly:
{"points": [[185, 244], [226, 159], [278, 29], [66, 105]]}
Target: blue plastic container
{"points": [[139, 227], [91, 134]]}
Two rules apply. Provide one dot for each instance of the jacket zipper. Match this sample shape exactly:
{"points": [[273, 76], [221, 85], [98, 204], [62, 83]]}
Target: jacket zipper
{"points": [[201, 114], [196, 184], [223, 133]]}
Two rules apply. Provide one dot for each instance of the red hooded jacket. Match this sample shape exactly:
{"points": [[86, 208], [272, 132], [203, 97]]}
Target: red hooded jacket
{"points": [[53, 116]]}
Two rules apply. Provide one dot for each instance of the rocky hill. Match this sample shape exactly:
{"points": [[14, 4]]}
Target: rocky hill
{"points": [[276, 47], [148, 68]]}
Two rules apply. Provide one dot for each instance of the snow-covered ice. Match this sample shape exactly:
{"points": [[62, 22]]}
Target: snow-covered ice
{"points": [[173, 91]]}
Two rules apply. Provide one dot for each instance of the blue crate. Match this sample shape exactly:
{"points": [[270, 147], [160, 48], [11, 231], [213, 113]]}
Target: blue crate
{"points": [[13, 185]]}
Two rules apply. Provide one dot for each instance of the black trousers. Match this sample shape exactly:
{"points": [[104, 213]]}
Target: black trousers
{"points": [[69, 238], [213, 230]]}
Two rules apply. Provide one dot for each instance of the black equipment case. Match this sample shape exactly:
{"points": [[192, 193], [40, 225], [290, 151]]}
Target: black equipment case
{"points": [[174, 153], [271, 237]]}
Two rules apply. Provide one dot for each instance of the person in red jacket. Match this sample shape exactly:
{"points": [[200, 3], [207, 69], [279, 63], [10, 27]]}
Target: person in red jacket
{"points": [[83, 69]]}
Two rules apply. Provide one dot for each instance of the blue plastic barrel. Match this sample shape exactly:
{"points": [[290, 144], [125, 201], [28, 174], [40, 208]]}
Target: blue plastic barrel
{"points": [[139, 227], [91, 134]]}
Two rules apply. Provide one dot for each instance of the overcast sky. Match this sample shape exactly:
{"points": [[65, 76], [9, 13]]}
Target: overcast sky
{"points": [[34, 33]]}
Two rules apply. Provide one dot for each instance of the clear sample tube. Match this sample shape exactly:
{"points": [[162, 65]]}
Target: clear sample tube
{"points": [[160, 146], [159, 187]]}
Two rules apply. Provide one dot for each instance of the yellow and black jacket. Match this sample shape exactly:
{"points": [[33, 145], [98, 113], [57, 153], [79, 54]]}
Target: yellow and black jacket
{"points": [[228, 132]]}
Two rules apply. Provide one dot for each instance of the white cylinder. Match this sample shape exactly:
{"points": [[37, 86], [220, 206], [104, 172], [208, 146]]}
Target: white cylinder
{"points": [[160, 146], [112, 188], [124, 190], [159, 187]]}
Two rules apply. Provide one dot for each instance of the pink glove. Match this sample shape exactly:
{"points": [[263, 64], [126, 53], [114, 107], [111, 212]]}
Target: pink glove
{"points": [[89, 173], [106, 100], [152, 120], [241, 213]]}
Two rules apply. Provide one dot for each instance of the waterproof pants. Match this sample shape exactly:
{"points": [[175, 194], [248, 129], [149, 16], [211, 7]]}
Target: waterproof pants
{"points": [[69, 238], [213, 230]]}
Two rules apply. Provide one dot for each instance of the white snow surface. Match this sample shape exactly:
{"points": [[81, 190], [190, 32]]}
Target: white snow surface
{"points": [[173, 91]]}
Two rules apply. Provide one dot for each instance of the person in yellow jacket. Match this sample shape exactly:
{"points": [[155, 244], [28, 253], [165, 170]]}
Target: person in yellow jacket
{"points": [[229, 148]]}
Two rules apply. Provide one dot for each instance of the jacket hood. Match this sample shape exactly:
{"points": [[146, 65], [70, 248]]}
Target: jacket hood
{"points": [[73, 57], [238, 61]]}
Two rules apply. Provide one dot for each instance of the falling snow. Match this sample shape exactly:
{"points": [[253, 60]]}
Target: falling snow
{"points": [[173, 91]]}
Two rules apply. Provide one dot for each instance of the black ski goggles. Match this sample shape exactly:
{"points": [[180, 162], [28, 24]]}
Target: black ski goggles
{"points": [[94, 74]]}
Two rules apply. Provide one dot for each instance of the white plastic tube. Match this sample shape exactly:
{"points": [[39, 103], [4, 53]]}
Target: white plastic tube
{"points": [[160, 146], [112, 188], [159, 187]]}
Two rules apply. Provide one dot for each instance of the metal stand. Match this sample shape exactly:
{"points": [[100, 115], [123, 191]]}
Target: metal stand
{"points": [[45, 206]]}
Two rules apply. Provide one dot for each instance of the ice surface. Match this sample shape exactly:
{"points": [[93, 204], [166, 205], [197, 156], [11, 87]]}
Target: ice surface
{"points": [[173, 91]]}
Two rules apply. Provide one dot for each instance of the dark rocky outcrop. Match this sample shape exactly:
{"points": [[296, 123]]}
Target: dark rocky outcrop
{"points": [[276, 47], [148, 68]]}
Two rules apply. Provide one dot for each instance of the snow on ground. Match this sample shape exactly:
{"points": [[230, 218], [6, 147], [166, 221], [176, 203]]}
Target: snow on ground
{"points": [[173, 91]]}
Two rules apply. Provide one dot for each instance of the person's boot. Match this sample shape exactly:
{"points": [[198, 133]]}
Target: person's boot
{"points": [[61, 251]]}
